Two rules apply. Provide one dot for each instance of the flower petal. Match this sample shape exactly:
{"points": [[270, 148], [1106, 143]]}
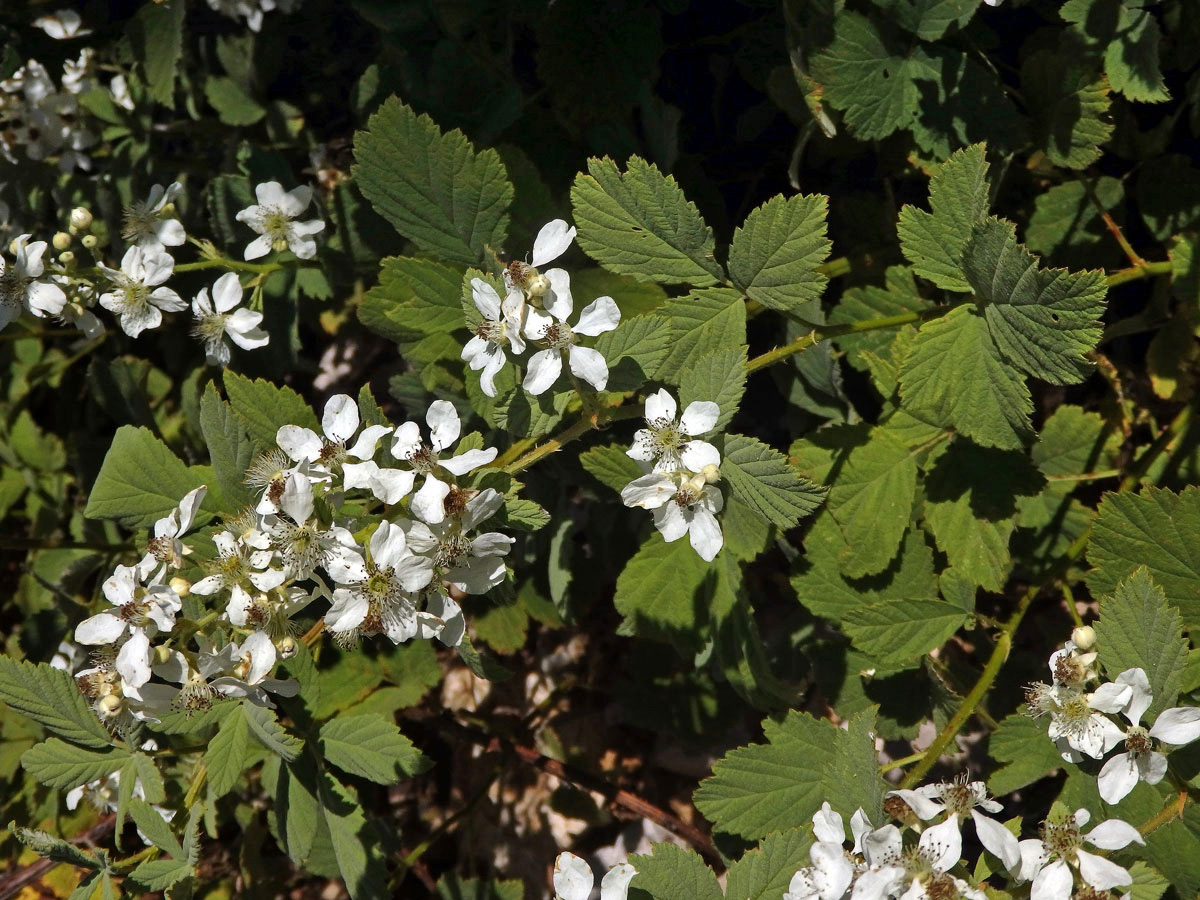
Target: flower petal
{"points": [[589, 365], [544, 368], [698, 454], [1101, 873], [340, 418], [615, 884], [1113, 834], [558, 301], [444, 424], [1054, 882], [468, 460], [572, 877], [1118, 777], [706, 537], [599, 316], [648, 492], [997, 840], [660, 407], [102, 628], [552, 242], [487, 301], [428, 504], [1178, 726]]}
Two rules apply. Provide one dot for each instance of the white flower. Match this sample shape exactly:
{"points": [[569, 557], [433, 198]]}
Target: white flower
{"points": [[561, 339], [1047, 861], [1140, 761], [681, 506], [149, 225], [892, 872], [299, 540], [668, 440], [573, 879], [256, 658], [339, 421], [444, 427], [62, 24], [238, 562], [831, 872], [1077, 723], [474, 565], [958, 799], [272, 219], [551, 242], [214, 321], [166, 546], [20, 287], [501, 324], [137, 296], [378, 591], [137, 608]]}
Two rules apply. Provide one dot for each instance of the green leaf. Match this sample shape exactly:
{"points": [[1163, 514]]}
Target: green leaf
{"points": [[719, 377], [50, 847], [610, 466], [766, 871], [159, 874], [264, 407], [761, 478], [1026, 753], [156, 37], [958, 197], [897, 634], [970, 505], [898, 295], [355, 843], [870, 76], [1129, 39], [851, 768], [1068, 102], [1148, 884], [1137, 629], [297, 809], [1065, 222], [151, 824], [228, 753], [702, 323], [1042, 320], [141, 769], [431, 185], [1156, 529], [414, 299], [872, 501], [413, 668], [778, 785], [229, 447], [776, 252], [62, 765], [955, 378], [661, 593], [634, 298], [824, 591], [233, 105], [930, 19], [267, 730], [634, 351], [50, 696], [639, 223], [672, 872], [140, 481], [371, 747], [1168, 195]]}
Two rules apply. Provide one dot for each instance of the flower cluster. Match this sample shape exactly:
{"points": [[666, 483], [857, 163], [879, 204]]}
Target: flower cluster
{"points": [[136, 290], [923, 859], [306, 540], [535, 308], [252, 11], [573, 879], [1087, 720], [682, 472]]}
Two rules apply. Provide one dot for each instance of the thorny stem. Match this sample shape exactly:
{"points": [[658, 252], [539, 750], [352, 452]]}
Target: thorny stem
{"points": [[1133, 273], [1173, 809], [900, 763], [597, 419]]}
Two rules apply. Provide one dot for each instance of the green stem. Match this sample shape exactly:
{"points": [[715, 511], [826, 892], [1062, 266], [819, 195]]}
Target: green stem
{"points": [[900, 763], [817, 335], [237, 265], [596, 420], [1133, 273]]}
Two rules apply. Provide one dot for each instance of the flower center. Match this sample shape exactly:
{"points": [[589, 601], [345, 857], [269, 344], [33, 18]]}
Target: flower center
{"points": [[494, 332], [558, 336], [139, 220], [686, 496], [423, 459], [275, 225], [957, 796], [451, 549], [210, 329], [1138, 740], [135, 296], [333, 453], [1062, 838], [268, 469], [12, 286]]}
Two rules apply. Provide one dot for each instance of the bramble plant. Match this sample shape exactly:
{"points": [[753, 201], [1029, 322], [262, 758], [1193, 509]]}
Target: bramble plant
{"points": [[460, 450]]}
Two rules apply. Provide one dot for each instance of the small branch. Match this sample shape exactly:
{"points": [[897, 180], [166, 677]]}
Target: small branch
{"points": [[586, 423], [1133, 273], [1111, 225], [616, 797], [1170, 812]]}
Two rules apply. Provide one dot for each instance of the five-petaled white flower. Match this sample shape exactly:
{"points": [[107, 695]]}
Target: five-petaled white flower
{"points": [[273, 219], [149, 224], [501, 325], [20, 284], [551, 329], [215, 321], [137, 295], [958, 799], [377, 591], [299, 539], [573, 879], [255, 658], [166, 547], [474, 565], [325, 455], [551, 242], [428, 503], [682, 505], [669, 441], [1047, 861], [1077, 723], [1140, 761]]}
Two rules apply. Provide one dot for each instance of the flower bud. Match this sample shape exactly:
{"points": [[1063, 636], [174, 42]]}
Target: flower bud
{"points": [[711, 473], [61, 240], [90, 241], [66, 257], [168, 210], [161, 654], [1084, 637], [697, 483], [288, 648], [538, 285], [81, 218], [109, 706], [181, 586]]}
